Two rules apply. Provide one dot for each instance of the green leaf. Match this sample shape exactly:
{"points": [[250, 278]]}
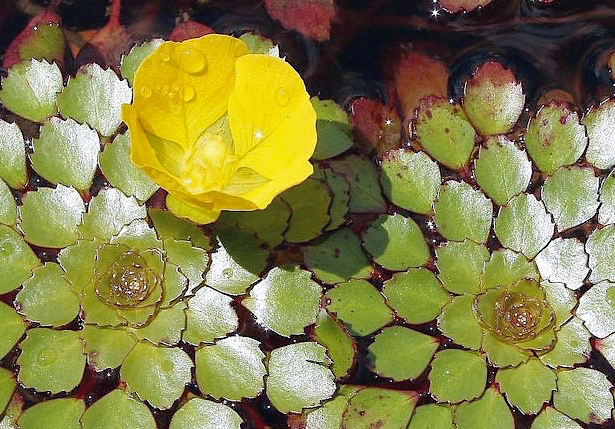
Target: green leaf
{"points": [[51, 360], [166, 327], [432, 416], [341, 347], [457, 322], [493, 99], [168, 225], [259, 44], [137, 235], [457, 375], [597, 309], [30, 89], [416, 295], [337, 258], [599, 122], [117, 410], [461, 265], [231, 369], [360, 306], [192, 261], [309, 204], [131, 61], [571, 195], [285, 301], [44, 40], [506, 267], [333, 128], [330, 415], [205, 414], [606, 212], [502, 170], [209, 316], [66, 152], [7, 387], [488, 412], [561, 299], [463, 212], [524, 225], [47, 298], [600, 246], [341, 198], [61, 413], [550, 418], [268, 225], [18, 259], [236, 263], [444, 132], [362, 174], [100, 109], [78, 263], [584, 394], [527, 386], [108, 212], [572, 346], [401, 353], [299, 377], [49, 217], [121, 173], [13, 327], [396, 242], [555, 137], [502, 354], [410, 180], [106, 348], [373, 407], [564, 261], [156, 374], [12, 155], [8, 207]]}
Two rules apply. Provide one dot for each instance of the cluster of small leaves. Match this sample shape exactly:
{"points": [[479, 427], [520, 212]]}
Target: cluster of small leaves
{"points": [[388, 255]]}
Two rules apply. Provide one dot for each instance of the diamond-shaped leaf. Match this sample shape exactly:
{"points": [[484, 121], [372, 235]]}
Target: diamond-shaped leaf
{"points": [[461, 265], [12, 155], [488, 412], [232, 368], [309, 203], [66, 153], [285, 301], [209, 316], [564, 261], [299, 377], [334, 129], [156, 374], [365, 192], [57, 413], [100, 109], [550, 418], [527, 386], [599, 122], [431, 416], [458, 322], [106, 347], [374, 407], [506, 267], [49, 217], [118, 410], [168, 225], [572, 346], [597, 309], [584, 394], [600, 246], [30, 89], [108, 212], [341, 347], [457, 375]]}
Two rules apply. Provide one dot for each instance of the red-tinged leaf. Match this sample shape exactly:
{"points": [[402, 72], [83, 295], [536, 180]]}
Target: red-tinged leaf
{"points": [[377, 126], [108, 44], [312, 18], [42, 38], [419, 76], [189, 30], [462, 5]]}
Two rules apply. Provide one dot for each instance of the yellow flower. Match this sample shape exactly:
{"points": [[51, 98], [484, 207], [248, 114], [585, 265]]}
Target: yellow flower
{"points": [[219, 128]]}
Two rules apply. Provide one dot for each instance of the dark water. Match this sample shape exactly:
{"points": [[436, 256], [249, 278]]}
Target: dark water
{"points": [[558, 46]]}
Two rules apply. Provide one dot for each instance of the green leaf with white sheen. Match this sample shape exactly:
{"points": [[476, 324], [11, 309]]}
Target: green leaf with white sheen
{"points": [[606, 212], [502, 170], [101, 109], [564, 261], [572, 346], [524, 225], [597, 309], [506, 267], [30, 89], [232, 368], [601, 249], [209, 316], [599, 122], [108, 212], [584, 394], [8, 207], [463, 212]]}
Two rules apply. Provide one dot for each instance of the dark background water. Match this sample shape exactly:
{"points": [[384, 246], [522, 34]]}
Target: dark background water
{"points": [[562, 45]]}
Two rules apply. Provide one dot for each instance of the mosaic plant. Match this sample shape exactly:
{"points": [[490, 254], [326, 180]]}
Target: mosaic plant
{"points": [[451, 270]]}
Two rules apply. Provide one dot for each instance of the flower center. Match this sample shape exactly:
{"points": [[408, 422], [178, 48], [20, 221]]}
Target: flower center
{"points": [[129, 284], [517, 317]]}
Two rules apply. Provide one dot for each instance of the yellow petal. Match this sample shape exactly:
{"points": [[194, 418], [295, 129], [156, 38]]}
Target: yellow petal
{"points": [[200, 215], [273, 124], [183, 88]]}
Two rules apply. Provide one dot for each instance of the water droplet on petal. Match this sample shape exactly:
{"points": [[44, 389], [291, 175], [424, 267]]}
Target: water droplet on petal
{"points": [[188, 93], [190, 59], [282, 97], [146, 91], [165, 53], [46, 357]]}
